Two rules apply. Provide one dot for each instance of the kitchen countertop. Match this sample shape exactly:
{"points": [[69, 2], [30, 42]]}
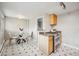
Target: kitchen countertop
{"points": [[48, 33]]}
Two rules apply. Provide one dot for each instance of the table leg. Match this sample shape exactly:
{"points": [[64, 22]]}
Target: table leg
{"points": [[10, 42]]}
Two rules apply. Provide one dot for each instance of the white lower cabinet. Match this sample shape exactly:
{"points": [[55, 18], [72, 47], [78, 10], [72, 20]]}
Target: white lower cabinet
{"points": [[43, 42]]}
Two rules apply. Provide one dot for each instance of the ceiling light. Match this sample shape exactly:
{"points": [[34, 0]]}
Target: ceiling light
{"points": [[20, 16], [62, 5]]}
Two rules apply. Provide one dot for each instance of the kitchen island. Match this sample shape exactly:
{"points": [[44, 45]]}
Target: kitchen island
{"points": [[49, 41]]}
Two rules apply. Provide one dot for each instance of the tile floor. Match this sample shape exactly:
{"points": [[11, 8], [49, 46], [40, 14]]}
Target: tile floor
{"points": [[32, 49]]}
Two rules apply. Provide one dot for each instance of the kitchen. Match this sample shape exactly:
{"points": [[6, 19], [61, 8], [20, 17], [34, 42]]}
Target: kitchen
{"points": [[50, 29]]}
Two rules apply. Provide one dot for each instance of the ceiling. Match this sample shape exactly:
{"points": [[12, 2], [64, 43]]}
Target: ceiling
{"points": [[35, 9]]}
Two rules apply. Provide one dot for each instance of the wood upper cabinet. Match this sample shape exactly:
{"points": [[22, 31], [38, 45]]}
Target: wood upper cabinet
{"points": [[53, 19]]}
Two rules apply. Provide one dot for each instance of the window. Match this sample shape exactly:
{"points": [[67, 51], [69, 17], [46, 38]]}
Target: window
{"points": [[39, 24]]}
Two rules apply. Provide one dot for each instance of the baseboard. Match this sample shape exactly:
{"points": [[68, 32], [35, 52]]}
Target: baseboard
{"points": [[0, 47], [71, 46]]}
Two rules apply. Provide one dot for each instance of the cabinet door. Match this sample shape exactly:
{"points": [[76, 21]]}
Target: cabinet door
{"points": [[43, 43], [40, 41], [50, 44], [53, 19]]}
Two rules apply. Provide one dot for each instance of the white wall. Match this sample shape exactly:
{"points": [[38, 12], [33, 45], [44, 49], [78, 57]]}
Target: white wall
{"points": [[33, 25], [13, 24], [1, 29], [46, 23], [69, 25]]}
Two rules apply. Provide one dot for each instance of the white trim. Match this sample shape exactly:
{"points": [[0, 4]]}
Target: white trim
{"points": [[71, 46], [1, 15], [1, 46], [39, 0]]}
